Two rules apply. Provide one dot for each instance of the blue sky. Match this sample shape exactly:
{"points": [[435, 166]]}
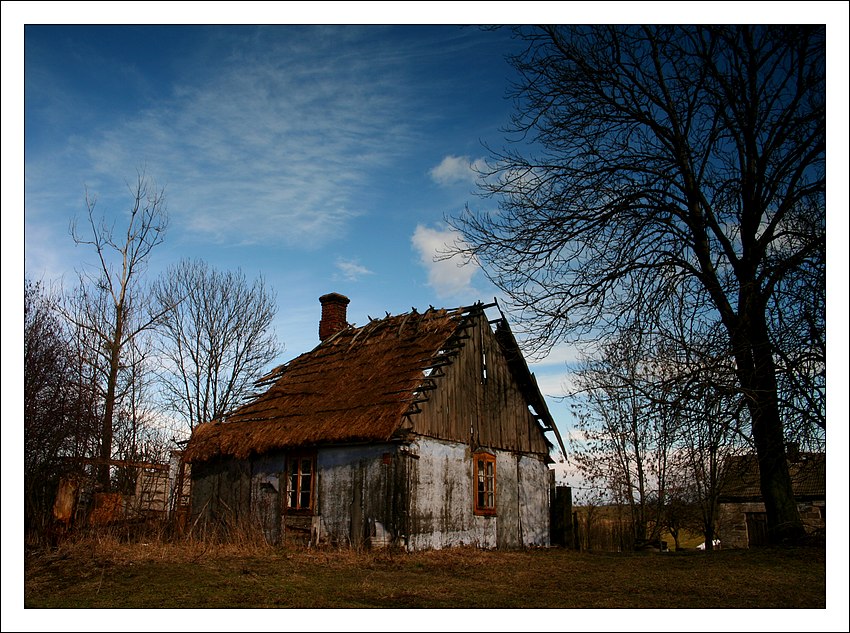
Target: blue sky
{"points": [[323, 158]]}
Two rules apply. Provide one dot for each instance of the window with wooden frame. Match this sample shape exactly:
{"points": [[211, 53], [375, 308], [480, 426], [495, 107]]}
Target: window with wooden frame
{"points": [[485, 483], [300, 471]]}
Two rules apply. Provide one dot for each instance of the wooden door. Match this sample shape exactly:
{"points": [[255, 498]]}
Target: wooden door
{"points": [[757, 528]]}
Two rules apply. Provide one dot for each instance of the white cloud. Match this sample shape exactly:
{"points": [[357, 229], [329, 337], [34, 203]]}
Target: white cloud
{"points": [[559, 356], [351, 270], [555, 384], [456, 169], [448, 277]]}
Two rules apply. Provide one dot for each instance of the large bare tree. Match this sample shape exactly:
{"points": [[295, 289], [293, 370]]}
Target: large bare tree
{"points": [[662, 157], [110, 303], [218, 338]]}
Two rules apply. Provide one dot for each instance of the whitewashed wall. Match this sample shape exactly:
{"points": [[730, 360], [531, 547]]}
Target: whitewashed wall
{"points": [[441, 500], [420, 496], [534, 501]]}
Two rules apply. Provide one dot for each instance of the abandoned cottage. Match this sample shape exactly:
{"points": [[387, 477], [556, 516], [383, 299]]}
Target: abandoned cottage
{"points": [[421, 430]]}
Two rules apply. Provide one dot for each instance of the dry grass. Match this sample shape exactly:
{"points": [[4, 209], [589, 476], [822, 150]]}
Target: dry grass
{"points": [[103, 572]]}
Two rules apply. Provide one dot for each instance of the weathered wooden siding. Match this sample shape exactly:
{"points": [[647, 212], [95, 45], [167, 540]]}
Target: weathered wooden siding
{"points": [[419, 496], [359, 493], [476, 400], [507, 501], [221, 491], [441, 489], [268, 487], [440, 497]]}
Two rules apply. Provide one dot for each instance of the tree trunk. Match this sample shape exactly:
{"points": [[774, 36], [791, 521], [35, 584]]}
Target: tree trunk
{"points": [[757, 372], [109, 408], [709, 537], [783, 519], [106, 430]]}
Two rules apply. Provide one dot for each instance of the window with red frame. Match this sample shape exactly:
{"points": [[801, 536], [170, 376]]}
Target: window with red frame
{"points": [[485, 483], [300, 477]]}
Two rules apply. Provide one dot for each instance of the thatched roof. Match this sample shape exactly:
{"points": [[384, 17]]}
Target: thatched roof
{"points": [[807, 470], [356, 386]]}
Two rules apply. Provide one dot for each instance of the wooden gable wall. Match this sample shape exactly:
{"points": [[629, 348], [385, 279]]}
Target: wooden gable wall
{"points": [[482, 412]]}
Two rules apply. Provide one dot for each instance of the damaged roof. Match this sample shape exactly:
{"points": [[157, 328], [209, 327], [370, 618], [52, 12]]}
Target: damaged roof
{"points": [[356, 386]]}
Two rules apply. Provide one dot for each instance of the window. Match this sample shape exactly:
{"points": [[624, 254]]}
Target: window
{"points": [[485, 483], [299, 487]]}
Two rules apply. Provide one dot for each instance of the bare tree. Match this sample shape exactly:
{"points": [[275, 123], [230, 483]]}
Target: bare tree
{"points": [[798, 323], [665, 156], [111, 304], [627, 428], [218, 338], [709, 435], [138, 435], [700, 391], [58, 406]]}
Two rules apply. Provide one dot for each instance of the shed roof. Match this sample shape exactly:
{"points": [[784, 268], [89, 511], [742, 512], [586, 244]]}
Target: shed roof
{"points": [[807, 470], [356, 386]]}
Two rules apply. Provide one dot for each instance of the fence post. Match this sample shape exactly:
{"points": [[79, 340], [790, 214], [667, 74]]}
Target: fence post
{"points": [[562, 517]]}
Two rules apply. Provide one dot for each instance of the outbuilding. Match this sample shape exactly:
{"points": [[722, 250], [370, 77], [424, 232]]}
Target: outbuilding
{"points": [[742, 514]]}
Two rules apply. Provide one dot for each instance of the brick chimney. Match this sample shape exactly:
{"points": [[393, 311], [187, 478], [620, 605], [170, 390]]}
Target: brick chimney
{"points": [[334, 314]]}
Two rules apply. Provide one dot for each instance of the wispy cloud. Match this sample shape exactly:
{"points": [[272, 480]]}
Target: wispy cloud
{"points": [[352, 270], [454, 170], [554, 383], [268, 145], [562, 356], [448, 277]]}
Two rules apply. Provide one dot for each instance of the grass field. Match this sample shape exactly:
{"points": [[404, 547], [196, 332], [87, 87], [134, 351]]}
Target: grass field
{"points": [[106, 574]]}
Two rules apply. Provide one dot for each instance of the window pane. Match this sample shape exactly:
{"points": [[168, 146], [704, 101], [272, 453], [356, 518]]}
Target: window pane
{"points": [[293, 490], [305, 490]]}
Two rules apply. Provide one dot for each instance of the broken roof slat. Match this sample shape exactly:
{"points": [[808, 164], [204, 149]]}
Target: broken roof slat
{"points": [[356, 384], [360, 384]]}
